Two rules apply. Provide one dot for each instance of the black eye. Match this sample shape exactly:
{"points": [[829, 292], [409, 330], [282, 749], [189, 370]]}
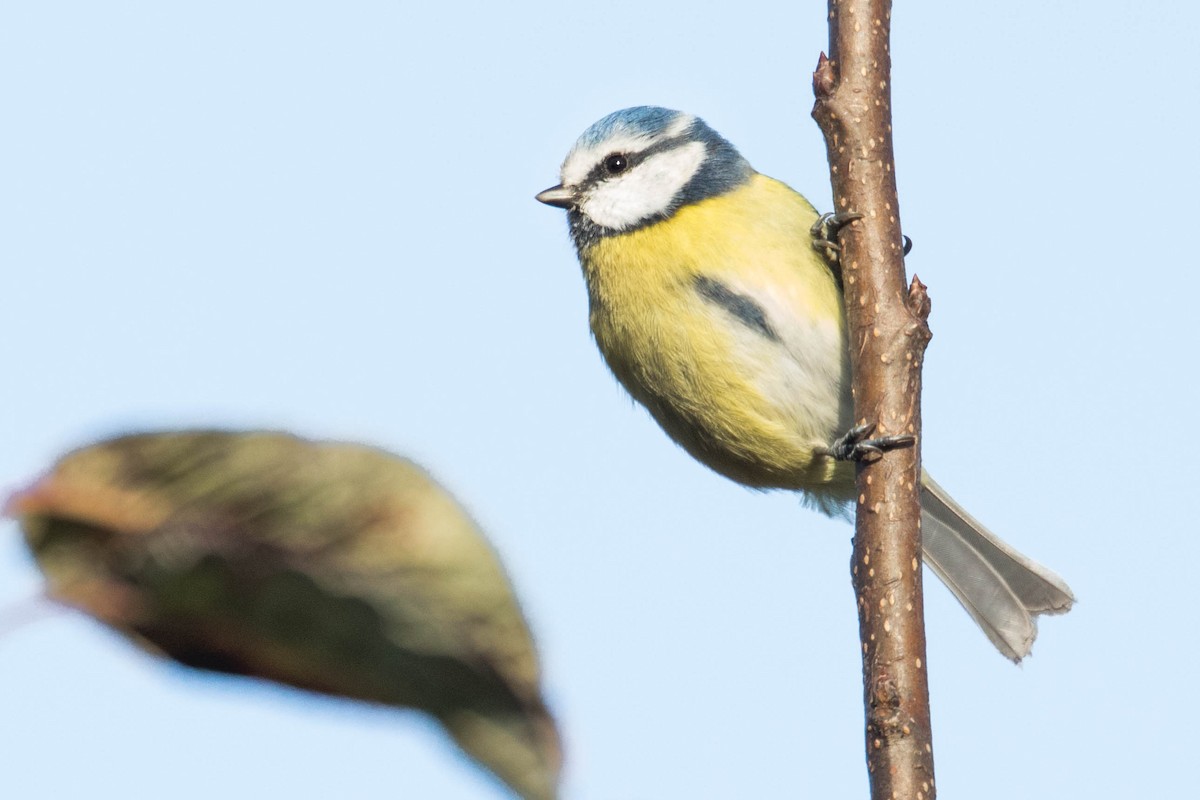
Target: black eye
{"points": [[616, 164]]}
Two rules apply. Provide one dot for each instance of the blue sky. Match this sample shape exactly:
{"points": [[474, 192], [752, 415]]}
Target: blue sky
{"points": [[320, 217]]}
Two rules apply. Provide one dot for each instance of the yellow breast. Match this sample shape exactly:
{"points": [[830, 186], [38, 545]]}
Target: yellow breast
{"points": [[751, 395]]}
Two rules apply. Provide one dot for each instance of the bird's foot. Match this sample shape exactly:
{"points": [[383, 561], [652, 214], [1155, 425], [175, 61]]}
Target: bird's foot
{"points": [[855, 446], [825, 231]]}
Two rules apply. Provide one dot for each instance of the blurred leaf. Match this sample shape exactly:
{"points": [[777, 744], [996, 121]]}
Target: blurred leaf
{"points": [[331, 567]]}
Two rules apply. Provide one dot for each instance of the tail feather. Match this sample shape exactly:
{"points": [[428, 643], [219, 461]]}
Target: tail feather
{"points": [[1000, 588]]}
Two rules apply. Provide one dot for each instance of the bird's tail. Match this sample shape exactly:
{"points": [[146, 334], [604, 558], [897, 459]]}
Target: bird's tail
{"points": [[1000, 588]]}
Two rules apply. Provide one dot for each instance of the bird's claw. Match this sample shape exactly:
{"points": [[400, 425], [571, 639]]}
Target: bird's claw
{"points": [[855, 446], [825, 230]]}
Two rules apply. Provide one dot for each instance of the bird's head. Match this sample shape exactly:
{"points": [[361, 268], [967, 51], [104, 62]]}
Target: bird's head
{"points": [[639, 166]]}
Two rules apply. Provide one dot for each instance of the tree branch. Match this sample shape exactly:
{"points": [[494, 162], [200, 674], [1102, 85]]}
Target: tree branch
{"points": [[887, 335]]}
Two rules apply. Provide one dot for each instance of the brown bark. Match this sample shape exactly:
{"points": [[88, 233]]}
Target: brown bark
{"points": [[888, 335]]}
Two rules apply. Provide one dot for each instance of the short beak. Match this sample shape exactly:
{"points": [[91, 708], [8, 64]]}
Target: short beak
{"points": [[559, 196]]}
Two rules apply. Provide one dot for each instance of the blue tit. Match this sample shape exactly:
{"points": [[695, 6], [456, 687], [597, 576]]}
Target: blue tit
{"points": [[711, 306]]}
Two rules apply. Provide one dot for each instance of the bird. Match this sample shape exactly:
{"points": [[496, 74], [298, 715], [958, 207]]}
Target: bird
{"points": [[711, 305]]}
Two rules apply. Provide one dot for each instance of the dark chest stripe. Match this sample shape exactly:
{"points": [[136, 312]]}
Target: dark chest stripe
{"points": [[740, 306]]}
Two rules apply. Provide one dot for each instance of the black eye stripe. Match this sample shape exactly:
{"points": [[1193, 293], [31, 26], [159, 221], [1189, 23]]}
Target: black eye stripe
{"points": [[599, 172]]}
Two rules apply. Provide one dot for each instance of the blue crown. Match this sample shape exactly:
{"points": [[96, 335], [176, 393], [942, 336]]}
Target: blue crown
{"points": [[637, 121]]}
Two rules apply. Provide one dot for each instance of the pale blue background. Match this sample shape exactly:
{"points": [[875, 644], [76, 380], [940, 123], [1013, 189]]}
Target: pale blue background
{"points": [[319, 216]]}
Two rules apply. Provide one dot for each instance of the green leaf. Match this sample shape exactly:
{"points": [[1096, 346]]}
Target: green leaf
{"points": [[331, 567]]}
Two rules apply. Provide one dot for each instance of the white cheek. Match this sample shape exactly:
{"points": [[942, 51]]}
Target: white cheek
{"points": [[646, 190]]}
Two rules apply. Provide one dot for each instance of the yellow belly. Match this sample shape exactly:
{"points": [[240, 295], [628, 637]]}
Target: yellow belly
{"points": [[752, 406]]}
